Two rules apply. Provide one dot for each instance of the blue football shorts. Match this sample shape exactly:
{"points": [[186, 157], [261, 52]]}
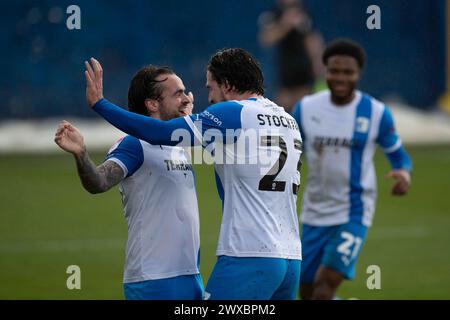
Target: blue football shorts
{"points": [[248, 278], [186, 287], [336, 247]]}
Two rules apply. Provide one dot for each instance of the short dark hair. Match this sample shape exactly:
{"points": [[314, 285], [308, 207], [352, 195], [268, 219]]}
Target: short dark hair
{"points": [[239, 69], [345, 47], [145, 86]]}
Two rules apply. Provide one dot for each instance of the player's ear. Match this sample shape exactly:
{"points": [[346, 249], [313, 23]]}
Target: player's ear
{"points": [[151, 105], [226, 87]]}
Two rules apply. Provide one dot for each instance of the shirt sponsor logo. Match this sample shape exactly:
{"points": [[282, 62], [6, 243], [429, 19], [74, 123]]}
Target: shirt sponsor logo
{"points": [[212, 117], [178, 165], [332, 142]]}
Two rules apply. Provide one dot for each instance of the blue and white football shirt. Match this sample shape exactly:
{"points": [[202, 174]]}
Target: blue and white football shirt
{"points": [[160, 205], [259, 197], [257, 148], [340, 143]]}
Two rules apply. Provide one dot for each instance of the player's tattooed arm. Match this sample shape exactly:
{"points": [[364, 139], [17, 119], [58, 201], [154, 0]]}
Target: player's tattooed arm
{"points": [[94, 179], [98, 179]]}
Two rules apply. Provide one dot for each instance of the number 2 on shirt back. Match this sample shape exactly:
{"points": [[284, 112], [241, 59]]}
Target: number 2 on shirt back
{"points": [[268, 183]]}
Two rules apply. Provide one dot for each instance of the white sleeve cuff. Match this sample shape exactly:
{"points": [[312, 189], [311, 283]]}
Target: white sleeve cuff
{"points": [[121, 164], [197, 133], [393, 148]]}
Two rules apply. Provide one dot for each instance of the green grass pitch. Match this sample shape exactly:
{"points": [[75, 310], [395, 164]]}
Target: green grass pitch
{"points": [[48, 222]]}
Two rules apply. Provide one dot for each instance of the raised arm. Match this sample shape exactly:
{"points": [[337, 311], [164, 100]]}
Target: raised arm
{"points": [[152, 130], [95, 179]]}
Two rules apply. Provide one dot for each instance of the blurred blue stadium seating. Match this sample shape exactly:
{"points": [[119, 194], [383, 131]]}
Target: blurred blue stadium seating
{"points": [[42, 61]]}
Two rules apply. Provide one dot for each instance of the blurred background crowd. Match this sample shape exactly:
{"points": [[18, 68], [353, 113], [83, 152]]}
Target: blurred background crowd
{"points": [[42, 60]]}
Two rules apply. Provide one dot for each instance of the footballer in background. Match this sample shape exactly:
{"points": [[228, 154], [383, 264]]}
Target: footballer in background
{"points": [[340, 128]]}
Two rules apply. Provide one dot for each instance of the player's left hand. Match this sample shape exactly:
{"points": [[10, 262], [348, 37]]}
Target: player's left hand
{"points": [[69, 138], [94, 81], [403, 181]]}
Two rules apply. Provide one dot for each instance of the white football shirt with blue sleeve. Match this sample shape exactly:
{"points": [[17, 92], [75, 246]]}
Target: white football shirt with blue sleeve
{"points": [[340, 143], [259, 180], [160, 205], [257, 147]]}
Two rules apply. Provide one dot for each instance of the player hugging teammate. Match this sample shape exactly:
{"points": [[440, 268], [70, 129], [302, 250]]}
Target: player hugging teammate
{"points": [[259, 251]]}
